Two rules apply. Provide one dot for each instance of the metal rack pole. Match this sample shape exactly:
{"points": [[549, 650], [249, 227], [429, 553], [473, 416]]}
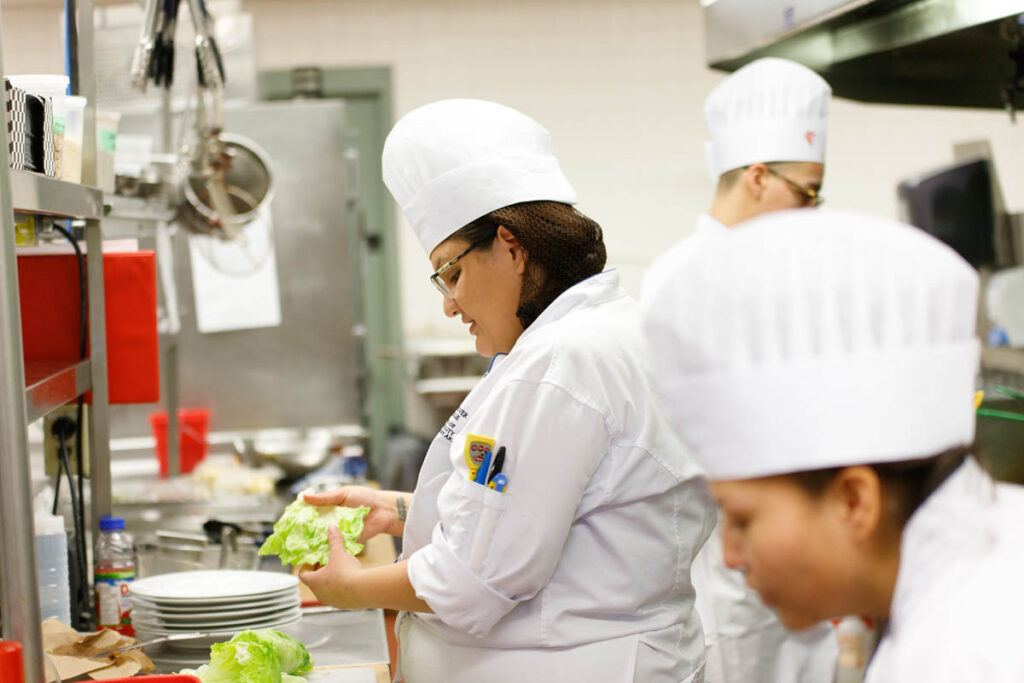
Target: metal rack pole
{"points": [[81, 27], [19, 588]]}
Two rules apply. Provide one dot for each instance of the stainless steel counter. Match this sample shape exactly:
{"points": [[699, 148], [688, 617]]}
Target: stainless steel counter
{"points": [[336, 638]]}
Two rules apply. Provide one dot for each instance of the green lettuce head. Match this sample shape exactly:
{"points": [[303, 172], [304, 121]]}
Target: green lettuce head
{"points": [[263, 656], [300, 536]]}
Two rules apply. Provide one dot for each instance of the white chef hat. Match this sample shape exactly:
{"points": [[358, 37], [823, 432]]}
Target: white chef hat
{"points": [[770, 110], [808, 339], [453, 161]]}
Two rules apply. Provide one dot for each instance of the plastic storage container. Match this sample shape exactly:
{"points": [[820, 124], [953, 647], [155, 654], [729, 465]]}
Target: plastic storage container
{"points": [[114, 571], [106, 143], [193, 424], [52, 566], [54, 87], [69, 113]]}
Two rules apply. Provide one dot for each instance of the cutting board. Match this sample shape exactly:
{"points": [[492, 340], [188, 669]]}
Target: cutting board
{"points": [[348, 674]]}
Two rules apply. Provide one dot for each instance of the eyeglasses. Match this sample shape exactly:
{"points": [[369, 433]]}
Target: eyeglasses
{"points": [[811, 196], [437, 278]]}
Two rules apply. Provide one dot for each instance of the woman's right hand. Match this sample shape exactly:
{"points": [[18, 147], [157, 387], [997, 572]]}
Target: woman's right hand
{"points": [[387, 508]]}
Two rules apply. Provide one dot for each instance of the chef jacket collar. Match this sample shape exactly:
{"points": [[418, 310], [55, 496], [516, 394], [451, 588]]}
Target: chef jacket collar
{"points": [[955, 523], [593, 291]]}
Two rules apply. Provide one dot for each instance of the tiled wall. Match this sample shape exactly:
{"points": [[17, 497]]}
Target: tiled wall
{"points": [[619, 84]]}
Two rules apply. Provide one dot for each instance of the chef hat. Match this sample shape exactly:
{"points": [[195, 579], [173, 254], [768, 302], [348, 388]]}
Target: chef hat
{"points": [[809, 339], [453, 161], [770, 110]]}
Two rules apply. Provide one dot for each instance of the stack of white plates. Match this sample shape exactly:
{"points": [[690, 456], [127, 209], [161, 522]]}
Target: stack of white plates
{"points": [[218, 603]]}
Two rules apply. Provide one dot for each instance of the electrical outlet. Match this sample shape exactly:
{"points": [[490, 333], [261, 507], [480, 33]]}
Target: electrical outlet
{"points": [[51, 444]]}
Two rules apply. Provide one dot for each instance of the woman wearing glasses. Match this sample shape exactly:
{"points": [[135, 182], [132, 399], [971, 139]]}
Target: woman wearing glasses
{"points": [[555, 516]]}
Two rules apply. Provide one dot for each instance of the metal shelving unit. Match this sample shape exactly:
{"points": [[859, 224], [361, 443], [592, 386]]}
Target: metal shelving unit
{"points": [[29, 392]]}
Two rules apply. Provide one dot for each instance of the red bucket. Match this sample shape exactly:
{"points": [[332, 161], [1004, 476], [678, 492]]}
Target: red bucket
{"points": [[11, 666], [193, 424]]}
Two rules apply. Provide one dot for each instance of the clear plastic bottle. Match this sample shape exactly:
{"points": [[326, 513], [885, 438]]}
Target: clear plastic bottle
{"points": [[114, 570], [52, 567]]}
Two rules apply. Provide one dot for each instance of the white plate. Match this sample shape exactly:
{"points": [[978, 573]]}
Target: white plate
{"points": [[156, 615], [205, 586], [206, 623], [259, 621], [220, 636], [291, 597]]}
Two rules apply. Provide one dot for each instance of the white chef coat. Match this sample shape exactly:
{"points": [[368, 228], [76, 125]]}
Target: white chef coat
{"points": [[958, 603], [580, 570], [745, 640]]}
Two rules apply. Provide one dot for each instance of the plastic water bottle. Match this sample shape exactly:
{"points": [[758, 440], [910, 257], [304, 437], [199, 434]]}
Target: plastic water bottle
{"points": [[114, 571], [52, 566]]}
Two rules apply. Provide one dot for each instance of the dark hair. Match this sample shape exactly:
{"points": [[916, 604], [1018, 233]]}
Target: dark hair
{"points": [[908, 483], [562, 247]]}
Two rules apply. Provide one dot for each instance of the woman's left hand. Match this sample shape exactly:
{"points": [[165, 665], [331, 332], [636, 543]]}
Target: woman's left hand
{"points": [[334, 584]]}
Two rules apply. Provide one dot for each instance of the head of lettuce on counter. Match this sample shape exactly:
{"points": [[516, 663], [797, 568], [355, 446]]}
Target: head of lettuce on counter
{"points": [[263, 656]]}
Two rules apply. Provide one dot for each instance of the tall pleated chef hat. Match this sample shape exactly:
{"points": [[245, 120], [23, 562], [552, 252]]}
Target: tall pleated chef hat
{"points": [[809, 339], [770, 110], [453, 161]]}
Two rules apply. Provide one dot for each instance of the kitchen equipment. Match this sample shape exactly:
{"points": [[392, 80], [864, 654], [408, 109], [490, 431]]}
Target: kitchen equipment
{"points": [[153, 641], [295, 451], [335, 638], [242, 169], [218, 603], [216, 586]]}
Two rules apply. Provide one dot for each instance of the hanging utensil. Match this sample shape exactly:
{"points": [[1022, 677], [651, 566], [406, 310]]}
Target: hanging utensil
{"points": [[143, 57]]}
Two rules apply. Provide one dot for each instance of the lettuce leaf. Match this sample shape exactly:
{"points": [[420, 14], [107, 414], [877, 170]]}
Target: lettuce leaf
{"points": [[263, 656], [300, 536]]}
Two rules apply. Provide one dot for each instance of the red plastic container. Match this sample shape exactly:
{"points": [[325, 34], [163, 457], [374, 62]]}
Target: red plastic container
{"points": [[12, 668], [193, 424]]}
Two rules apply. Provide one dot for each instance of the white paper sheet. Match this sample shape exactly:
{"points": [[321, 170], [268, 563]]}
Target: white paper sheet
{"points": [[235, 282]]}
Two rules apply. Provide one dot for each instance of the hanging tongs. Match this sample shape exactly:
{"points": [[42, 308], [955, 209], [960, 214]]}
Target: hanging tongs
{"points": [[212, 158], [142, 60], [154, 55]]}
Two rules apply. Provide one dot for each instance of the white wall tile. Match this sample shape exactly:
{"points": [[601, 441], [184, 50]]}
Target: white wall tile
{"points": [[620, 85]]}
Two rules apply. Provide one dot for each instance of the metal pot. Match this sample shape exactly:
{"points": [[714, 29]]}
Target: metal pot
{"points": [[296, 451]]}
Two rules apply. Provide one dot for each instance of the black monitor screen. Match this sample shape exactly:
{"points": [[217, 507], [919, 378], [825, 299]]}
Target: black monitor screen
{"points": [[955, 205]]}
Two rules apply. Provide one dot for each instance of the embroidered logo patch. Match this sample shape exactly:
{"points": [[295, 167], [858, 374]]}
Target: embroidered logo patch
{"points": [[809, 136], [478, 451]]}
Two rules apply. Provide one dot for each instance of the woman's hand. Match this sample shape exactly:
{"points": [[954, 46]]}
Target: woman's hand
{"points": [[346, 584], [387, 508], [334, 583]]}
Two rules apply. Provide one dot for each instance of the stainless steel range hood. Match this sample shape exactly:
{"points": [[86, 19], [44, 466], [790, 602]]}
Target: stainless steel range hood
{"points": [[966, 53]]}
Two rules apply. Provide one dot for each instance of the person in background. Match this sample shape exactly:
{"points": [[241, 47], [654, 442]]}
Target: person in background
{"points": [[768, 124], [822, 366], [556, 515]]}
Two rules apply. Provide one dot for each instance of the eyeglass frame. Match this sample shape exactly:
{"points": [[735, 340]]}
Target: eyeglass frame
{"points": [[813, 197], [438, 282]]}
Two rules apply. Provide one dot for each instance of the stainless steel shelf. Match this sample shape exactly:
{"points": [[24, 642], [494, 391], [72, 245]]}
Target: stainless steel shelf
{"points": [[447, 385], [133, 217], [51, 384], [1003, 359], [34, 193]]}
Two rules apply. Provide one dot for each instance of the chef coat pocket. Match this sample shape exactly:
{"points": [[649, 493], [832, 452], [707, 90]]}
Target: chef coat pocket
{"points": [[470, 513]]}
